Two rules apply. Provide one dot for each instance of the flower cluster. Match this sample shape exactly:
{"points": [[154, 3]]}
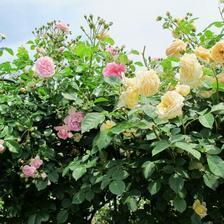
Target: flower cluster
{"points": [[72, 122], [31, 169]]}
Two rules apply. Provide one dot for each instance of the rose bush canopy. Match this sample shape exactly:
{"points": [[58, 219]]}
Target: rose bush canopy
{"points": [[89, 135]]}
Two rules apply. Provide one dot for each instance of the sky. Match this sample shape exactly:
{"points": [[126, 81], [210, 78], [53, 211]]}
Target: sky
{"points": [[134, 21]]}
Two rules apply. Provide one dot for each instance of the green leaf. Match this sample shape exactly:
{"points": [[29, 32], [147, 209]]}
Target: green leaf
{"points": [[148, 168], [78, 198], [154, 187], [13, 146], [160, 146], [188, 148], [117, 187], [176, 183], [216, 165], [119, 174], [41, 184], [207, 120], [135, 52], [102, 140], [218, 107], [62, 216], [78, 172], [179, 204], [91, 120], [211, 181]]}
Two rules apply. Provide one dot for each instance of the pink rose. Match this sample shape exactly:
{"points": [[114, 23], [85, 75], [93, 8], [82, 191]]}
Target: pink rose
{"points": [[2, 148], [73, 120], [45, 67], [62, 26], [29, 171], [36, 162], [112, 51], [63, 132], [114, 69]]}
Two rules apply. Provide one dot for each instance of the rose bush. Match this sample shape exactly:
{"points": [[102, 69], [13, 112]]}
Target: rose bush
{"points": [[88, 135]]}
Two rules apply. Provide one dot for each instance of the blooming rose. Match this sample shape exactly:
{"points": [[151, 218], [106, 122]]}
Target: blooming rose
{"points": [[2, 148], [177, 47], [62, 26], [217, 52], [171, 105], [44, 67], [148, 82], [73, 120], [190, 70], [112, 51], [200, 208], [183, 90], [36, 162], [114, 69], [29, 171], [202, 53], [129, 98], [107, 125], [63, 132]]}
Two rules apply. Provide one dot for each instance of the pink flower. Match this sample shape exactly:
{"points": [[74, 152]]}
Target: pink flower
{"points": [[2, 148], [29, 171], [36, 162], [62, 26], [73, 120], [45, 67], [114, 69], [112, 51], [63, 132]]}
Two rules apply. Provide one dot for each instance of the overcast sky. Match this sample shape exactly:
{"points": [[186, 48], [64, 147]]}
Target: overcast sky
{"points": [[134, 20]]}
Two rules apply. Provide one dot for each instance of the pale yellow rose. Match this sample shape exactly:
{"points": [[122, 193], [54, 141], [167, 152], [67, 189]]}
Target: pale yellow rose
{"points": [[202, 53], [148, 82], [183, 90], [107, 125], [176, 48], [221, 78], [129, 98], [129, 82], [217, 52], [171, 105], [200, 208], [190, 70]]}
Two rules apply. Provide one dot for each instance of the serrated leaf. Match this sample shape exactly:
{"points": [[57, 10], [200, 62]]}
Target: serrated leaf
{"points": [[160, 146], [216, 165], [117, 187], [78, 172], [188, 148], [207, 120], [91, 120]]}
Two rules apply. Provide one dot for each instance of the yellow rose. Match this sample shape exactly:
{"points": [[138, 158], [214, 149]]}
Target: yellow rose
{"points": [[190, 70], [129, 82], [129, 98], [183, 90], [221, 78], [202, 53], [107, 125], [200, 208], [176, 48], [171, 105], [148, 82], [217, 52]]}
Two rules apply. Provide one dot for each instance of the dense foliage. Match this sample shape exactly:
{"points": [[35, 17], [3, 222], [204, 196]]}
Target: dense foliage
{"points": [[88, 135]]}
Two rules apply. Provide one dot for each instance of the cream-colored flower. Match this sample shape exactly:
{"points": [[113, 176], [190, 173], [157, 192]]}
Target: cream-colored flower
{"points": [[2, 148], [107, 125], [200, 208], [129, 98], [183, 90], [190, 70], [221, 78], [171, 105], [202, 53], [217, 52], [148, 82], [129, 82], [176, 48], [129, 133]]}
